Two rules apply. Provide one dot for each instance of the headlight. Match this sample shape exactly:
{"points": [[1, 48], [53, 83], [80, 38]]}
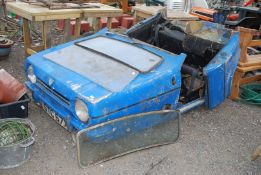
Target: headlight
{"points": [[30, 74], [81, 110]]}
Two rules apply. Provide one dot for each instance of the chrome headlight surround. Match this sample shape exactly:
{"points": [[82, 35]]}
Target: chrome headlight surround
{"points": [[81, 110], [30, 74]]}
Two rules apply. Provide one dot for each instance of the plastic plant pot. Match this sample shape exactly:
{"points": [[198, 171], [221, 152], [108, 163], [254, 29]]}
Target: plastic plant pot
{"points": [[5, 46]]}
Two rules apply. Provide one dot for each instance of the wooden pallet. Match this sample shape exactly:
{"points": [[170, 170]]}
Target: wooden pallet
{"points": [[247, 62]]}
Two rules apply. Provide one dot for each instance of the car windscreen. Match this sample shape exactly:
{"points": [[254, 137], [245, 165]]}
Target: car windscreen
{"points": [[125, 135]]}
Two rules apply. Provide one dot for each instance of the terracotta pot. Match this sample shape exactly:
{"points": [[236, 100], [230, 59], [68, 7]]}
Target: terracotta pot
{"points": [[10, 89], [5, 43]]}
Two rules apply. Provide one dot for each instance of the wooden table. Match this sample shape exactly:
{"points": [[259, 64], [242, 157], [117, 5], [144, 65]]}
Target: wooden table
{"points": [[247, 63], [44, 15], [141, 12], [104, 11]]}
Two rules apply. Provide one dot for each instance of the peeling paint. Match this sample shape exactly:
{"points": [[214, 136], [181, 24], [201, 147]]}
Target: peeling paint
{"points": [[73, 86], [94, 100]]}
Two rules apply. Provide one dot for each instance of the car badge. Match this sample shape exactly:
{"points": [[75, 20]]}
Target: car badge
{"points": [[50, 82]]}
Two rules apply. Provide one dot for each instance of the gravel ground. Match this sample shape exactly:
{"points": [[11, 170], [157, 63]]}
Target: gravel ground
{"points": [[218, 141]]}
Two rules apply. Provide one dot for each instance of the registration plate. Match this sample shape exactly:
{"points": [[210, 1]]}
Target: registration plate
{"points": [[54, 116]]}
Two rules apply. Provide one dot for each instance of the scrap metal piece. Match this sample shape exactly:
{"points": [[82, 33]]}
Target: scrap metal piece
{"points": [[10, 89], [97, 68], [125, 135]]}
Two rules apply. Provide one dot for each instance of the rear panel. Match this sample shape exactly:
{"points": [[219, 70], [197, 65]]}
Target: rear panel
{"points": [[220, 71]]}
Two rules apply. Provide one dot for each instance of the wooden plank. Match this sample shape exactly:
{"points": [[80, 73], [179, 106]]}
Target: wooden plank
{"points": [[46, 37], [26, 35], [255, 43], [67, 31], [77, 31], [252, 60], [54, 17], [124, 4], [249, 68], [40, 10], [95, 23], [239, 80], [103, 8], [39, 13], [101, 14], [147, 11], [180, 15], [109, 22], [250, 79], [139, 15], [18, 12], [4, 8], [104, 1], [235, 85], [103, 11]]}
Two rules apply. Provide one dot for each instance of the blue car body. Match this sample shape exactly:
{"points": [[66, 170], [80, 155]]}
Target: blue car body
{"points": [[57, 87]]}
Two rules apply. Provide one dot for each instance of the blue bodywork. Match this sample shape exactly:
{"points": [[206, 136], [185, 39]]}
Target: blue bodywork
{"points": [[149, 91], [58, 87], [220, 71]]}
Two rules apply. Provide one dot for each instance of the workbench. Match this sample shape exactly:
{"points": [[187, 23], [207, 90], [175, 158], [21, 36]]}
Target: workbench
{"points": [[36, 13], [143, 12], [247, 63]]}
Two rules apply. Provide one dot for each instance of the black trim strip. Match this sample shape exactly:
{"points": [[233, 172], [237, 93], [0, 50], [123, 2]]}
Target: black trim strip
{"points": [[55, 93]]}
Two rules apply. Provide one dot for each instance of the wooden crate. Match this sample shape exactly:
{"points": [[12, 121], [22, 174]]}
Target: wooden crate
{"points": [[247, 62]]}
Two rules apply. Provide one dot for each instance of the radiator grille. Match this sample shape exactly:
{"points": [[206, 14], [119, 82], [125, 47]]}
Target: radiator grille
{"points": [[55, 93]]}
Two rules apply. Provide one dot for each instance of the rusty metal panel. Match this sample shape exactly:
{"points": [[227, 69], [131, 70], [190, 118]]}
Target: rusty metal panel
{"points": [[108, 73]]}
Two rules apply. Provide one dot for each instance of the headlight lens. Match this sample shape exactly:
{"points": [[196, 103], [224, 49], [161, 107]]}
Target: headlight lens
{"points": [[30, 74], [81, 110]]}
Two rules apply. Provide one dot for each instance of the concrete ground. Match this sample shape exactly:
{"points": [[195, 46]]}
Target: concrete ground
{"points": [[218, 141]]}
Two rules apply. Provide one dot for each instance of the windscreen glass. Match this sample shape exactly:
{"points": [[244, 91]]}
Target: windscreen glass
{"points": [[125, 135]]}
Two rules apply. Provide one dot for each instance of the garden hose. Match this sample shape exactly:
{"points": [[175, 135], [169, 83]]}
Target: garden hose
{"points": [[12, 132], [251, 93]]}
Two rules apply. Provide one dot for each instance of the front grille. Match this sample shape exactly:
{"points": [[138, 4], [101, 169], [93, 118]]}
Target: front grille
{"points": [[56, 94]]}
